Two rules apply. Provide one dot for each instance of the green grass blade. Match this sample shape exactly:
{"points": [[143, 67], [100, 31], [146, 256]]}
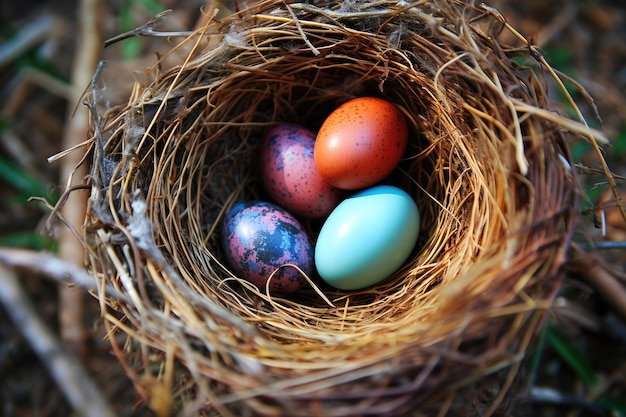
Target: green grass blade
{"points": [[619, 143], [537, 354], [616, 407], [20, 180], [571, 355], [28, 240]]}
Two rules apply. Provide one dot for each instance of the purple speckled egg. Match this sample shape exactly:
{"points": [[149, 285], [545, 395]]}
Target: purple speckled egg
{"points": [[290, 175], [259, 237]]}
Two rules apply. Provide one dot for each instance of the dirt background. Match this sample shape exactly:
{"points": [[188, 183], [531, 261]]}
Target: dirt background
{"points": [[586, 39]]}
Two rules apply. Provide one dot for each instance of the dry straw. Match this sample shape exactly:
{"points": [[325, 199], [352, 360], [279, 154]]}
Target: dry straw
{"points": [[488, 164]]}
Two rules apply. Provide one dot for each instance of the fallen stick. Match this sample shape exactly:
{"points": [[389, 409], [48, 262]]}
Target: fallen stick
{"points": [[70, 376], [89, 46], [597, 273], [55, 268]]}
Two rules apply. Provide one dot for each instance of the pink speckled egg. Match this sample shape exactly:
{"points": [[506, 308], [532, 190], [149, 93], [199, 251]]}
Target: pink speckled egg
{"points": [[360, 143], [290, 175], [260, 238]]}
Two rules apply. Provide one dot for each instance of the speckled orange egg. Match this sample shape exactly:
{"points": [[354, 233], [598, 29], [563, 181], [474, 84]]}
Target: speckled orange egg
{"points": [[360, 143]]}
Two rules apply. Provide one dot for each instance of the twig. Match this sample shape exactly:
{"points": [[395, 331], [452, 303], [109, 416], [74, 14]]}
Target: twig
{"points": [[71, 249], [297, 22], [147, 29], [55, 268], [593, 270], [70, 376]]}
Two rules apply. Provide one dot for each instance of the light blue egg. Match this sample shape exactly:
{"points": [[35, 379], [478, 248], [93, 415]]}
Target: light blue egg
{"points": [[367, 237]]}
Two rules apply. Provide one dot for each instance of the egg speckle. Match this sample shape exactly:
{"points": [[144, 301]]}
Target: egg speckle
{"points": [[360, 143], [290, 175], [258, 238]]}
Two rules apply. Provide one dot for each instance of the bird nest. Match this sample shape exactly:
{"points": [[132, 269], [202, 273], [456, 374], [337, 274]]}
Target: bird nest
{"points": [[487, 163]]}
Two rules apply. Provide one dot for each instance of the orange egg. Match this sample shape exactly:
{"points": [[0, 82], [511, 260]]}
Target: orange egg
{"points": [[360, 143]]}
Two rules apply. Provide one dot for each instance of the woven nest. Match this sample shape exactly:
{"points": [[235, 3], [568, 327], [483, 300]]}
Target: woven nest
{"points": [[487, 164]]}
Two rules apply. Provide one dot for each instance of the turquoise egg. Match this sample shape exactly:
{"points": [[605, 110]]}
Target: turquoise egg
{"points": [[367, 237]]}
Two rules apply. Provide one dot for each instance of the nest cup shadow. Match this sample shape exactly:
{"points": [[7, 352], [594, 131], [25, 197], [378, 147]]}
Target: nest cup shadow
{"points": [[484, 164]]}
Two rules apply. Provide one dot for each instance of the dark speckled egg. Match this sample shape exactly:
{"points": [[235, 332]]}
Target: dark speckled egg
{"points": [[260, 237], [290, 175]]}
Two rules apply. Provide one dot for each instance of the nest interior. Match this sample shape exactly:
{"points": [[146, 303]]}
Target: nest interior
{"points": [[486, 164]]}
